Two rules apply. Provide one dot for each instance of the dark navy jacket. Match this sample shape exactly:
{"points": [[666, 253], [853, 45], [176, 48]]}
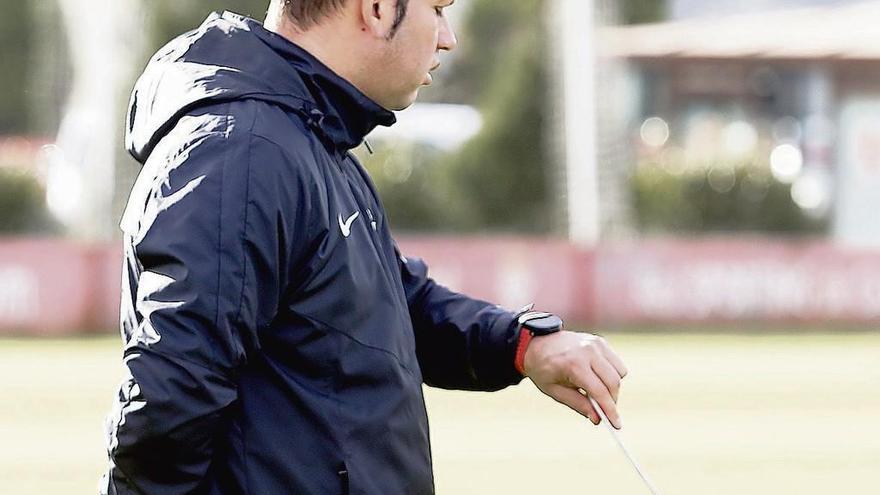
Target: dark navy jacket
{"points": [[276, 341]]}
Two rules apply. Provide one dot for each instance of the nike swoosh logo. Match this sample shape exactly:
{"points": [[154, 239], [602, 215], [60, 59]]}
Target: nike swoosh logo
{"points": [[345, 226]]}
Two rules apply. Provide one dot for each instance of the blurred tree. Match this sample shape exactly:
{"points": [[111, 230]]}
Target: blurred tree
{"points": [[49, 71], [15, 50], [720, 199], [642, 11], [500, 180], [413, 186], [23, 205], [503, 175], [482, 35], [170, 18]]}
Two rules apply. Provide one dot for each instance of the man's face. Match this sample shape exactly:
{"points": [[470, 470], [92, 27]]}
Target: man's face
{"points": [[413, 53]]}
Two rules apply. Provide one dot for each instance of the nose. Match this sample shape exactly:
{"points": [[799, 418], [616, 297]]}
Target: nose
{"points": [[447, 40]]}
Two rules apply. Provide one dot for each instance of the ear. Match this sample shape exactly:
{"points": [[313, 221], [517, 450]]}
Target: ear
{"points": [[377, 17]]}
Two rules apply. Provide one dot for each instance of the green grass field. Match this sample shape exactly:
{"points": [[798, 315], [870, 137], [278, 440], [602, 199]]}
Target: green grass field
{"points": [[704, 414]]}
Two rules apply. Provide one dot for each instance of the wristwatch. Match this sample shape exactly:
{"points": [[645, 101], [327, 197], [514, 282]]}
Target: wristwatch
{"points": [[533, 324]]}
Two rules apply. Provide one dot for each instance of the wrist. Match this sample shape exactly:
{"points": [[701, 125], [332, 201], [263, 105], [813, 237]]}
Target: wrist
{"points": [[532, 324]]}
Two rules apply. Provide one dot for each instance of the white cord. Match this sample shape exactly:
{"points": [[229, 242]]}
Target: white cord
{"points": [[626, 452]]}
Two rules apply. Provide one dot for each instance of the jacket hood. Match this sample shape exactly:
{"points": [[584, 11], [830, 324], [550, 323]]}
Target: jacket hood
{"points": [[231, 57]]}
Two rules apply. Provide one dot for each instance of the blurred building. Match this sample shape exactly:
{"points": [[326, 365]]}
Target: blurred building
{"points": [[798, 89], [680, 9]]}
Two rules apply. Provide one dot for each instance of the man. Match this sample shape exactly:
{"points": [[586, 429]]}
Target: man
{"points": [[276, 341]]}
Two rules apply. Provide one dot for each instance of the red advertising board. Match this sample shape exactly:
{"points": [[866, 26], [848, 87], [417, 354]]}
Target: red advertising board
{"points": [[731, 280], [52, 287], [512, 271]]}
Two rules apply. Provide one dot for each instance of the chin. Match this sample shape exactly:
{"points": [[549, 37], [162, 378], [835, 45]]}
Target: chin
{"points": [[404, 103]]}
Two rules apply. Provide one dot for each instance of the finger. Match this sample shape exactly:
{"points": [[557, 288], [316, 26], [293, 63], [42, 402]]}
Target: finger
{"points": [[609, 376], [613, 358], [575, 400], [587, 380]]}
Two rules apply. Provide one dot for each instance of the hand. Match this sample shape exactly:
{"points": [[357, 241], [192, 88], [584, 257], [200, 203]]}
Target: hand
{"points": [[565, 363]]}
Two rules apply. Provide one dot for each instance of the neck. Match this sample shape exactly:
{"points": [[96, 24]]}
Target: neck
{"points": [[327, 41]]}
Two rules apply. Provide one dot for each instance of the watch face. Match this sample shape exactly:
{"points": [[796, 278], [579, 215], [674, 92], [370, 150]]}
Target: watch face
{"points": [[540, 323]]}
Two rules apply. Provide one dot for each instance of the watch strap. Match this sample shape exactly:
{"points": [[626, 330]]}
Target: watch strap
{"points": [[525, 336]]}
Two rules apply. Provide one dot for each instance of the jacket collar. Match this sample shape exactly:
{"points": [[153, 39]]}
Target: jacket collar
{"points": [[334, 106]]}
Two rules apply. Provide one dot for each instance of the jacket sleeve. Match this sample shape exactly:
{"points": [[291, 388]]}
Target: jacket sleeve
{"points": [[461, 343], [204, 270]]}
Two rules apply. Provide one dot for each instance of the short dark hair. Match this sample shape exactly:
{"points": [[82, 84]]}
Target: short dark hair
{"points": [[398, 16], [306, 13]]}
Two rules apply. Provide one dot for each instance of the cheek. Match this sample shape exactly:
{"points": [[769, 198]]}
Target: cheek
{"points": [[419, 43], [407, 63]]}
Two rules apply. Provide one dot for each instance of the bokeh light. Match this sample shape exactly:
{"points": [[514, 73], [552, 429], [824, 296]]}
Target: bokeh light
{"points": [[786, 163], [654, 132]]}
